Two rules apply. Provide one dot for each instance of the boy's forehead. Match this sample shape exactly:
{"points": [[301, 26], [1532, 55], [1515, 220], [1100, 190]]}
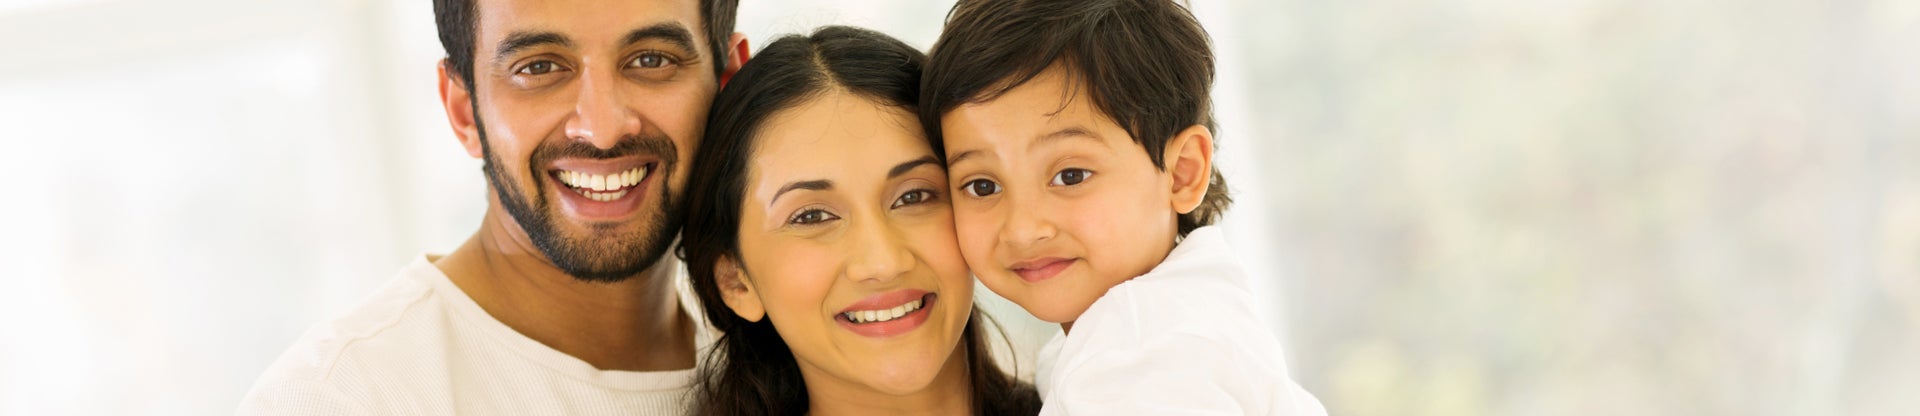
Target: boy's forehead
{"points": [[585, 22], [1044, 107]]}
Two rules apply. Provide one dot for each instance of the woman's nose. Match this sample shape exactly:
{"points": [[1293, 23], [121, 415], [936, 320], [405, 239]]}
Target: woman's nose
{"points": [[877, 253]]}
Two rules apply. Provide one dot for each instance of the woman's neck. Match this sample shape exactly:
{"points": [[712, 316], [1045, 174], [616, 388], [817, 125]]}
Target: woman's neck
{"points": [[950, 393]]}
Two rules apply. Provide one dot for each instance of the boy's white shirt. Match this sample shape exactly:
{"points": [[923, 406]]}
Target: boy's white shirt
{"points": [[1182, 339], [421, 346]]}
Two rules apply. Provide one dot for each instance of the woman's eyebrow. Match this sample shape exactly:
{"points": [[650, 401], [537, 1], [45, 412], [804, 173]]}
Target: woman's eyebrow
{"points": [[812, 185], [903, 168]]}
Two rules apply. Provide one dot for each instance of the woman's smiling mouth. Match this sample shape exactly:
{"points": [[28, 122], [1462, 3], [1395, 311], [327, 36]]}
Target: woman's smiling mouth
{"points": [[888, 314]]}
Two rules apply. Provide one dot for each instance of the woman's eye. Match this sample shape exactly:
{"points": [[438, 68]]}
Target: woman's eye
{"points": [[538, 68], [980, 188], [811, 216], [917, 196], [1071, 176], [651, 61]]}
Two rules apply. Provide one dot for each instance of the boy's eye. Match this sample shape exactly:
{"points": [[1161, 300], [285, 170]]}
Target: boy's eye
{"points": [[812, 216], [980, 188], [1071, 176], [915, 197]]}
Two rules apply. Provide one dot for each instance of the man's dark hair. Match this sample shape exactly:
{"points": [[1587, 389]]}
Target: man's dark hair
{"points": [[1146, 64], [457, 21]]}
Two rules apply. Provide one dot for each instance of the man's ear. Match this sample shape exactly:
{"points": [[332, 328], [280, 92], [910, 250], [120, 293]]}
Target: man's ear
{"points": [[1189, 158], [456, 98], [736, 289], [737, 52]]}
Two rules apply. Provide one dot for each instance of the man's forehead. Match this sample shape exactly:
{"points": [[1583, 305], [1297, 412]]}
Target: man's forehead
{"points": [[584, 21]]}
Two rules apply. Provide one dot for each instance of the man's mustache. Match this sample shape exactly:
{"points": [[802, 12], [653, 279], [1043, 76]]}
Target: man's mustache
{"points": [[655, 145]]}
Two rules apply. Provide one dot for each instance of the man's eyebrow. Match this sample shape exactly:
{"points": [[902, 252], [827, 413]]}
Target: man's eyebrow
{"points": [[904, 167], [671, 32], [518, 41], [812, 185]]}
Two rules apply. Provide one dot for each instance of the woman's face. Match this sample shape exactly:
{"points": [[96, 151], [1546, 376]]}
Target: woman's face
{"points": [[847, 242]]}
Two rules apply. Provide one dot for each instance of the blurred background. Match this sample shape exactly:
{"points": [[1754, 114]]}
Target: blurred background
{"points": [[1475, 207]]}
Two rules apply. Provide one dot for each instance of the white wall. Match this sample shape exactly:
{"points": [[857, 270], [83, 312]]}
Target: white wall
{"points": [[1479, 207]]}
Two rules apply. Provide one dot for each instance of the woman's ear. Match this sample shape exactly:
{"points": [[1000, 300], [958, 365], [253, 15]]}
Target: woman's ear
{"points": [[736, 289], [1189, 158], [455, 96]]}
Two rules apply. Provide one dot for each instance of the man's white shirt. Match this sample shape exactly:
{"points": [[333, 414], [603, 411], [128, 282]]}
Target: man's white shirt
{"points": [[420, 345]]}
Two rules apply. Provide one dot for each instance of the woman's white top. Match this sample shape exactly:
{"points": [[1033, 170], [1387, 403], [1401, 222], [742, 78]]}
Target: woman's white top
{"points": [[1182, 339]]}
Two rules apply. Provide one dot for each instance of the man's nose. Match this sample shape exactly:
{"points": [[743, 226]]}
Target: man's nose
{"points": [[601, 115]]}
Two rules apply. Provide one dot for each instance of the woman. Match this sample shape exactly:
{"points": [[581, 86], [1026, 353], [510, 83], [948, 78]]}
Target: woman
{"points": [[819, 239]]}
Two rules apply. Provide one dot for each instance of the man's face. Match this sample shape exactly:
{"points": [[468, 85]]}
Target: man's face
{"points": [[586, 111]]}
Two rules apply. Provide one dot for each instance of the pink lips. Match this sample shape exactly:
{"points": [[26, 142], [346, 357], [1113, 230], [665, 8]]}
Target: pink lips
{"points": [[889, 300], [1041, 269]]}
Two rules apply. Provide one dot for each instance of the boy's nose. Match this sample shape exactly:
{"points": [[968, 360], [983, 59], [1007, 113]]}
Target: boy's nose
{"points": [[600, 117], [1026, 225]]}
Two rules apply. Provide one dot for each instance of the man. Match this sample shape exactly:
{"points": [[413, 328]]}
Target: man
{"points": [[586, 113]]}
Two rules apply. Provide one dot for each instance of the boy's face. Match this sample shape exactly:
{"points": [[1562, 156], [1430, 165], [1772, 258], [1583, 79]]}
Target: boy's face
{"points": [[1053, 202]]}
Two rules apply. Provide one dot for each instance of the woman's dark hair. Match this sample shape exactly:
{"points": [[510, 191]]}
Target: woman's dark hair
{"points": [[1146, 64], [750, 370]]}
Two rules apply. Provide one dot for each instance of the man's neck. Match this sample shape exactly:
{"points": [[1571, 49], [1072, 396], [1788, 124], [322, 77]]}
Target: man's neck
{"points": [[950, 393], [635, 324]]}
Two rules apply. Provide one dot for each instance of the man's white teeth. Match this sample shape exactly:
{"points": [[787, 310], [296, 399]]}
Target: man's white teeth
{"points": [[605, 196], [604, 183], [861, 317]]}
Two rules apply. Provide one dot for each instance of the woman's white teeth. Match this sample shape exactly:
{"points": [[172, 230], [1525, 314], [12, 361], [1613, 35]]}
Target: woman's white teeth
{"points": [[861, 317], [604, 183]]}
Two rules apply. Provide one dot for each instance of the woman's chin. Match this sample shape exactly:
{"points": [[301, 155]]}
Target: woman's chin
{"points": [[904, 382]]}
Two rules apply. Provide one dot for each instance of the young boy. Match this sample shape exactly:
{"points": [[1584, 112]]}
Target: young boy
{"points": [[1078, 140]]}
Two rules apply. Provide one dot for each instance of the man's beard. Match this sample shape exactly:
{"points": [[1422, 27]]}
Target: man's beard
{"points": [[607, 258]]}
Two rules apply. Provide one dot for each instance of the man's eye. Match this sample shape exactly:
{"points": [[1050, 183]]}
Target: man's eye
{"points": [[651, 60], [1071, 176], [980, 188], [811, 216], [917, 196], [538, 68]]}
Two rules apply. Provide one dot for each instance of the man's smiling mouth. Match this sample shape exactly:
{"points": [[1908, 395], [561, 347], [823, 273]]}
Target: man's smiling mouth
{"points": [[603, 187]]}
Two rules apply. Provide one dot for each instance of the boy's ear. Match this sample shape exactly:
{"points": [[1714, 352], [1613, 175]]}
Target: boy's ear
{"points": [[737, 52], [1189, 158], [736, 289], [457, 100]]}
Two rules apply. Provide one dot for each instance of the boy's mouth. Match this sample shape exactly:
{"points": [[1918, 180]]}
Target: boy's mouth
{"points": [[1036, 270]]}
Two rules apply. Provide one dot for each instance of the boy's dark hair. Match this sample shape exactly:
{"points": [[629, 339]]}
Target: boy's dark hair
{"points": [[1146, 64], [458, 22]]}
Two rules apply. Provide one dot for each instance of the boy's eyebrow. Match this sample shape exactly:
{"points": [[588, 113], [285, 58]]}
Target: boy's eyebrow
{"points": [[812, 185], [1067, 133], [1056, 135], [957, 157]]}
